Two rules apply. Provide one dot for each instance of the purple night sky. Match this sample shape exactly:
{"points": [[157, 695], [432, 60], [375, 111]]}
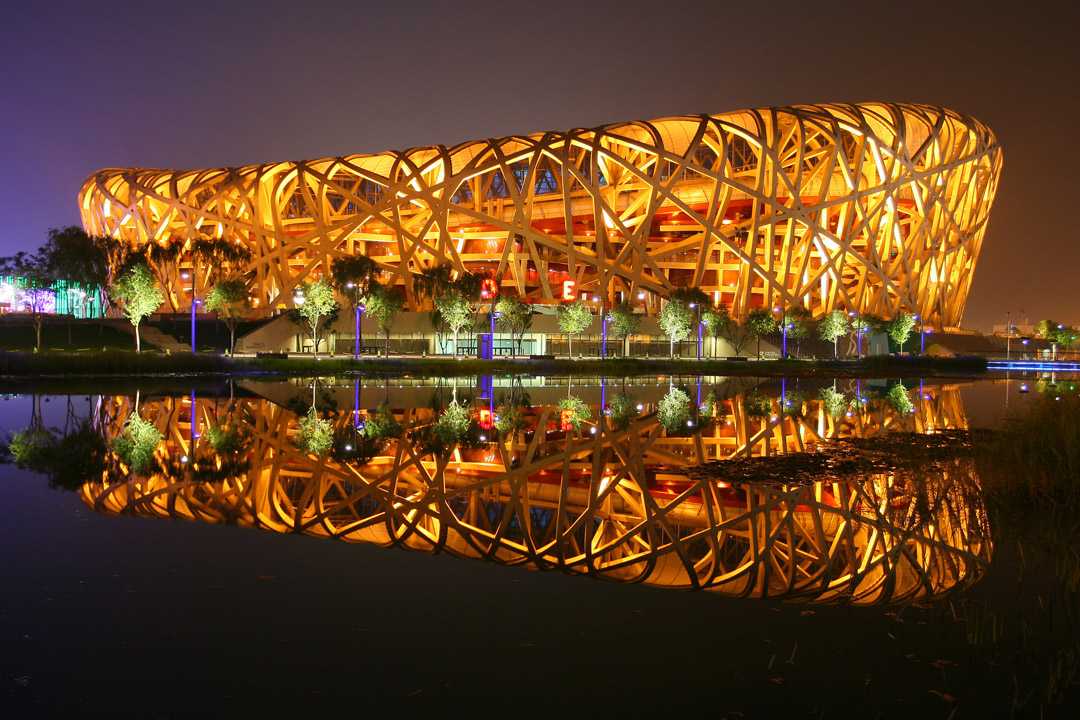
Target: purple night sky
{"points": [[90, 85]]}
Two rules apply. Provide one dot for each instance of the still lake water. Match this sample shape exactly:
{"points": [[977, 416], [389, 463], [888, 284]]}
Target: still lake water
{"points": [[522, 543]]}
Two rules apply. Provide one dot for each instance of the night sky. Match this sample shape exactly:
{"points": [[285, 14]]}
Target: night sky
{"points": [[89, 85]]}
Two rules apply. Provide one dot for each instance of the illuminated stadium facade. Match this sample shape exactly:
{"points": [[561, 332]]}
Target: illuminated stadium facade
{"points": [[872, 207]]}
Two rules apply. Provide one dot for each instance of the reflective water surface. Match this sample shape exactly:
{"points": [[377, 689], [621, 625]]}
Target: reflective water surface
{"points": [[616, 479]]}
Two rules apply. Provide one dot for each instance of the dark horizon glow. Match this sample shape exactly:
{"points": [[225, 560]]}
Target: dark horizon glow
{"points": [[199, 85]]}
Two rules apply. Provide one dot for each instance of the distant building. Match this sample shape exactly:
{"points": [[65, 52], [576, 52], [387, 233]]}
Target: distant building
{"points": [[63, 297]]}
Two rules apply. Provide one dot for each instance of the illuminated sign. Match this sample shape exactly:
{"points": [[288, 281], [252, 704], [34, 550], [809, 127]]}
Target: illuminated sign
{"points": [[568, 290]]}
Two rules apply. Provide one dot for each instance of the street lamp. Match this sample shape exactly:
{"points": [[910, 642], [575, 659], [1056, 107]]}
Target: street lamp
{"points": [[783, 331], [194, 303], [858, 332], [491, 349], [694, 306]]}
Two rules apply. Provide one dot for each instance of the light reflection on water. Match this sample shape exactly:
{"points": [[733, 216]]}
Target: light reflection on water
{"points": [[586, 476]]}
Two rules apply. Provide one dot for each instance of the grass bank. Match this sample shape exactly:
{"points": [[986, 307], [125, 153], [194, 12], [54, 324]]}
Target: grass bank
{"points": [[130, 364]]}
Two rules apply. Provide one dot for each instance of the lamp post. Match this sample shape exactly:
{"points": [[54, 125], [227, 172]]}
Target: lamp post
{"points": [[358, 310], [858, 333], [694, 307], [495, 315], [783, 331], [194, 303], [1008, 339]]}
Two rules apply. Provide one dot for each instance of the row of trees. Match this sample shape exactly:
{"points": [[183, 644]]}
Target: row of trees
{"points": [[139, 282], [679, 314]]}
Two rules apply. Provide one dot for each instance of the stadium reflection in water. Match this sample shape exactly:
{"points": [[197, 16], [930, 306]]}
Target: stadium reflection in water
{"points": [[595, 482]]}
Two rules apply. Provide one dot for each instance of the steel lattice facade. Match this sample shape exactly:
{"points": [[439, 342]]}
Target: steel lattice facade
{"points": [[872, 207]]}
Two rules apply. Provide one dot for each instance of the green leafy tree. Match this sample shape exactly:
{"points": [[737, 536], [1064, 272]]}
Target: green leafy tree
{"points": [[673, 412], [623, 322], [715, 320], [456, 311], [833, 326], [136, 443], [899, 328], [36, 286], [138, 294], [515, 316], [1057, 333], [574, 318], [383, 305], [860, 325], [230, 300], [676, 319], [315, 302], [798, 320], [354, 277], [760, 322]]}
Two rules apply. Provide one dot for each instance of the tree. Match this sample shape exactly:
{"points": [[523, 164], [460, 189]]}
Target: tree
{"points": [[354, 277], [71, 254], [1057, 333], [163, 259], [899, 328], [760, 322], [456, 311], [833, 327], [137, 442], [798, 321], [574, 412], [833, 401], [676, 319], [515, 316], [316, 435], [315, 301], [230, 300], [859, 326], [574, 318], [433, 281], [139, 295], [673, 412], [624, 322], [36, 280], [383, 304], [715, 321], [220, 256]]}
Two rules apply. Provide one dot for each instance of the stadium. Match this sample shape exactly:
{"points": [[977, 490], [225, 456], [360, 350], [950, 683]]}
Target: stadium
{"points": [[871, 207]]}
